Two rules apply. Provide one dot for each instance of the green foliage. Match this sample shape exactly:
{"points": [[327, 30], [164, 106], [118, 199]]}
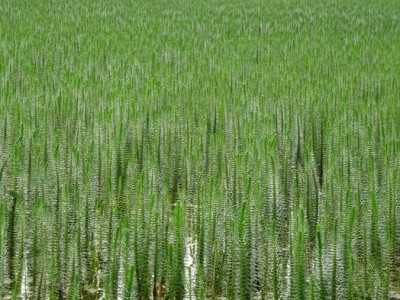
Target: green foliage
{"points": [[322, 289], [236, 149], [244, 253], [176, 254]]}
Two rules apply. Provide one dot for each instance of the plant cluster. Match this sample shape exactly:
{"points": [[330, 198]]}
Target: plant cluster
{"points": [[199, 149]]}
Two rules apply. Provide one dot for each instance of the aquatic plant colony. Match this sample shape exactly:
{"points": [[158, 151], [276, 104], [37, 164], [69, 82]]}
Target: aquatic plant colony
{"points": [[193, 149]]}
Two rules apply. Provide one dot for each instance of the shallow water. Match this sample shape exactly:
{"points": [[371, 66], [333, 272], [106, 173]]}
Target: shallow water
{"points": [[190, 267]]}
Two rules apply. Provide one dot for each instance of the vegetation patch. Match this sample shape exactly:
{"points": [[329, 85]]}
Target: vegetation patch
{"points": [[199, 149]]}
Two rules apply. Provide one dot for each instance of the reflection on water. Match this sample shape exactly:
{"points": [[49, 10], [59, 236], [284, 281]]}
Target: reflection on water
{"points": [[190, 267]]}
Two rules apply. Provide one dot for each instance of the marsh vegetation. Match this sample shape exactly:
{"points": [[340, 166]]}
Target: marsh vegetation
{"points": [[199, 149]]}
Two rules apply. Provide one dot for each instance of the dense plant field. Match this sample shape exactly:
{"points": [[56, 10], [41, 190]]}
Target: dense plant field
{"points": [[194, 149]]}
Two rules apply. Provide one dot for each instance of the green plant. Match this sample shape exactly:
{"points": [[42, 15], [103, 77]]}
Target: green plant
{"points": [[262, 135]]}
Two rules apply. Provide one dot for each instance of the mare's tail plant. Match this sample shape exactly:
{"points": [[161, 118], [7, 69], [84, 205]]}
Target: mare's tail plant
{"points": [[322, 289], [11, 235], [244, 252], [334, 267], [176, 254]]}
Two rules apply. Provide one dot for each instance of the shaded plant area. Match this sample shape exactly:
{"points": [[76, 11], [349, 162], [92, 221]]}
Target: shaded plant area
{"points": [[193, 150]]}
